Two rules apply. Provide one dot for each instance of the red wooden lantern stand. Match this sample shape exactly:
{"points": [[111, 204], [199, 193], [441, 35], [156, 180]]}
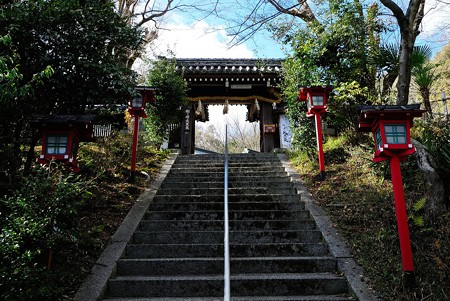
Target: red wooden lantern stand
{"points": [[316, 99], [137, 109], [61, 135], [390, 126]]}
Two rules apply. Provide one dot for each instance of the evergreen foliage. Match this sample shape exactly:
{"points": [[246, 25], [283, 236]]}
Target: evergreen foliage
{"points": [[38, 217], [78, 43], [170, 100], [334, 53], [13, 88]]}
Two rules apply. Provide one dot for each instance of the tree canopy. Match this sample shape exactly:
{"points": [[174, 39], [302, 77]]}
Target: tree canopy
{"points": [[333, 51], [81, 41], [316, 14]]}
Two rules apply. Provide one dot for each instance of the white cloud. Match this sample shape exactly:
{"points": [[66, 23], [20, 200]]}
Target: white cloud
{"points": [[197, 41]]}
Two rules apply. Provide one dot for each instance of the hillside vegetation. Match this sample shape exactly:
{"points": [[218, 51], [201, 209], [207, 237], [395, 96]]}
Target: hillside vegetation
{"points": [[57, 224], [358, 196]]}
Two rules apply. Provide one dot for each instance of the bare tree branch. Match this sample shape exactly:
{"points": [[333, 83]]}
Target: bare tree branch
{"points": [[395, 9], [305, 13], [139, 13], [262, 12]]}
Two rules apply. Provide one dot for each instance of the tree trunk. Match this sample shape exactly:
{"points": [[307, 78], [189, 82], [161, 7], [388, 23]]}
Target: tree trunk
{"points": [[388, 82], [425, 92], [404, 72], [434, 184], [409, 29]]}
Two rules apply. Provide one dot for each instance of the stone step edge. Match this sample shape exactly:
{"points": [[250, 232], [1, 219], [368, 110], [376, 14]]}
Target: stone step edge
{"points": [[231, 221], [221, 259], [229, 195], [231, 231], [248, 298], [235, 277], [232, 244]]}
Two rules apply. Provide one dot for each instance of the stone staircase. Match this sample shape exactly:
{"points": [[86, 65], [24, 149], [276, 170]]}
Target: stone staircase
{"points": [[276, 251]]}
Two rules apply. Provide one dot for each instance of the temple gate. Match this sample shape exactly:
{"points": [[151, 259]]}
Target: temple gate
{"points": [[249, 82]]}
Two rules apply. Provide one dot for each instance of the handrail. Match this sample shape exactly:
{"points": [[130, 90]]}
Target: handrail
{"points": [[226, 243]]}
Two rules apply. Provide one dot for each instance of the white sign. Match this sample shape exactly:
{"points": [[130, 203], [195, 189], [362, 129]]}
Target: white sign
{"points": [[187, 122], [241, 87], [285, 132]]}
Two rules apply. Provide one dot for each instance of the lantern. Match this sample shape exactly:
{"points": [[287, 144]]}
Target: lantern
{"points": [[390, 127], [316, 100], [61, 135], [144, 95]]}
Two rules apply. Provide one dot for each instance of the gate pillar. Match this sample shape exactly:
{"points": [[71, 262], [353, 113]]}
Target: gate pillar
{"points": [[267, 128], [188, 131]]}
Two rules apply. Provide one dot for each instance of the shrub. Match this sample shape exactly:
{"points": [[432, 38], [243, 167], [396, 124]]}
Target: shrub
{"points": [[35, 219], [435, 135]]}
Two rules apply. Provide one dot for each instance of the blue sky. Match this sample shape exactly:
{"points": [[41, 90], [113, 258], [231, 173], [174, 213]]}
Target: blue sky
{"points": [[208, 38]]}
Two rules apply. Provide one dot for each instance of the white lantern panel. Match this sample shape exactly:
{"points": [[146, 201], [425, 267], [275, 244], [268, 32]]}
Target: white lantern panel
{"points": [[57, 145], [137, 102], [395, 133], [317, 100]]}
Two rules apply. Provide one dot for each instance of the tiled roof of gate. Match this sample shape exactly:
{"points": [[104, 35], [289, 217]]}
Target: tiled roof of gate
{"points": [[228, 66]]}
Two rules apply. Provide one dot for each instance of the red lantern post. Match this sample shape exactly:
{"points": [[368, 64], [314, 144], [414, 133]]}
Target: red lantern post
{"points": [[137, 109], [390, 126], [61, 136], [316, 100]]}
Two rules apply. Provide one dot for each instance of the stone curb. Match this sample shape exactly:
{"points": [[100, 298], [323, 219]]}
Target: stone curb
{"points": [[95, 284], [337, 245]]}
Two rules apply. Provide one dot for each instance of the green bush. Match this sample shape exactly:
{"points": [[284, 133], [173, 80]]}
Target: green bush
{"points": [[303, 129], [114, 153], [342, 112], [35, 219], [170, 99], [435, 135]]}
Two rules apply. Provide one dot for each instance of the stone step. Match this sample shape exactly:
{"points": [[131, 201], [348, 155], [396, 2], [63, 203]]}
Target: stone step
{"points": [[214, 266], [203, 205], [231, 164], [248, 298], [231, 180], [231, 157], [289, 284], [233, 214], [231, 169], [166, 250], [231, 175], [216, 225], [220, 191], [267, 183], [232, 198], [268, 160], [215, 237]]}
